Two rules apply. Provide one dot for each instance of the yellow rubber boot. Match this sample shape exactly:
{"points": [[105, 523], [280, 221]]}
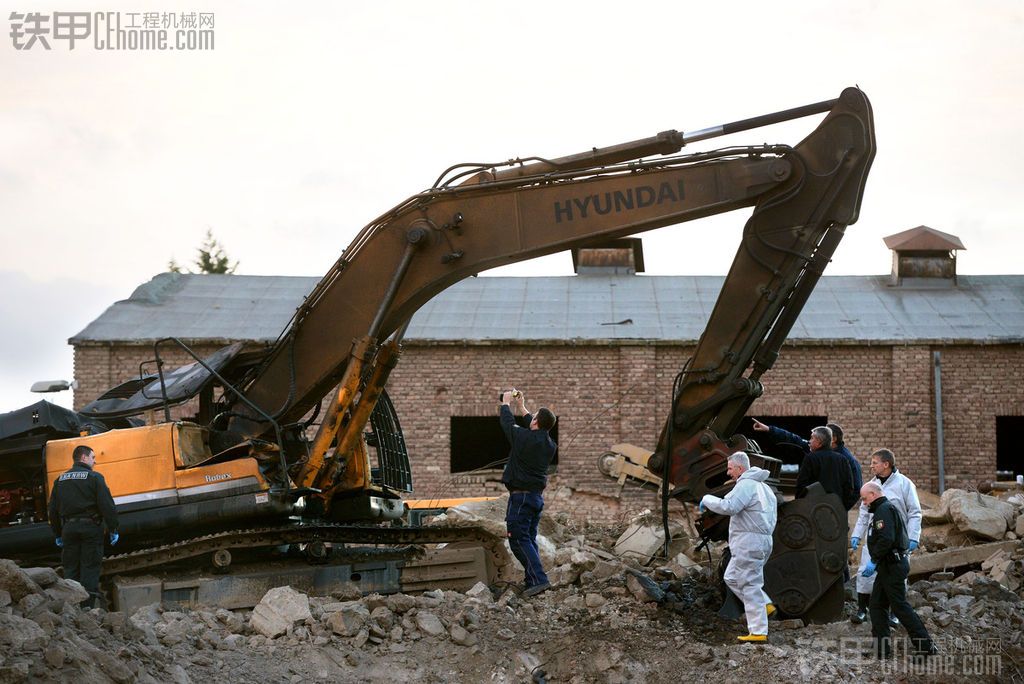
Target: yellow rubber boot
{"points": [[771, 609], [754, 638]]}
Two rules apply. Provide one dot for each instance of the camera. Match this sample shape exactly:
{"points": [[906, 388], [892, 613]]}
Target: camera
{"points": [[515, 394]]}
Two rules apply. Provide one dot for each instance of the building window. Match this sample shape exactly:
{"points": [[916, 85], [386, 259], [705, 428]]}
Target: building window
{"points": [[1009, 457], [784, 451], [479, 444]]}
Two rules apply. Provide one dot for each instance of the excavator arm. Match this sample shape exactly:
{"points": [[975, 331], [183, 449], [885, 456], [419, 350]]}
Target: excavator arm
{"points": [[346, 333]]}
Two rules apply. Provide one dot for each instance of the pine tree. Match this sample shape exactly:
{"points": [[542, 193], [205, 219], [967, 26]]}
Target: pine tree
{"points": [[211, 258]]}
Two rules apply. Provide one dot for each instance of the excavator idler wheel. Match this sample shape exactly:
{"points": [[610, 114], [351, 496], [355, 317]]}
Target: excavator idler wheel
{"points": [[317, 552], [221, 560]]}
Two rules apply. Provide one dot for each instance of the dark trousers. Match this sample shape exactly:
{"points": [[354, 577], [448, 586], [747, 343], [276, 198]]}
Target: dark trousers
{"points": [[890, 593], [521, 520], [82, 555]]}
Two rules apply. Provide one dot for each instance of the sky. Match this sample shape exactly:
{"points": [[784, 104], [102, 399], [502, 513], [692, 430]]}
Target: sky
{"points": [[305, 122]]}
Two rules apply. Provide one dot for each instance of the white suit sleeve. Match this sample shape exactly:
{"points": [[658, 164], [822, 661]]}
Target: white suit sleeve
{"points": [[861, 528], [734, 502], [913, 504]]}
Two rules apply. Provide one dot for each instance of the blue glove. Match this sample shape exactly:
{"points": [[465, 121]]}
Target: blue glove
{"points": [[854, 543], [114, 536], [869, 570], [59, 542], [701, 507], [913, 545]]}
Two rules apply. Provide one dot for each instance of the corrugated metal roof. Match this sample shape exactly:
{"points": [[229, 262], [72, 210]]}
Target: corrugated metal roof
{"points": [[986, 309]]}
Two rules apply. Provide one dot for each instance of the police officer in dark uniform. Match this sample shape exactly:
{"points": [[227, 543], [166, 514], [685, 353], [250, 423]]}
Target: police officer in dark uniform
{"points": [[80, 506], [887, 545]]}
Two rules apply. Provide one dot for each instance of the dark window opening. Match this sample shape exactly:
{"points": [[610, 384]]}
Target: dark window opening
{"points": [[784, 451], [478, 443], [1009, 455]]}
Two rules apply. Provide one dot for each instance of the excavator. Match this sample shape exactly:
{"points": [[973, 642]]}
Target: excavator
{"points": [[249, 469]]}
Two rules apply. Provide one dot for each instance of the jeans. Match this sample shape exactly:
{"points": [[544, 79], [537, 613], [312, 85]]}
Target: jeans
{"points": [[521, 520]]}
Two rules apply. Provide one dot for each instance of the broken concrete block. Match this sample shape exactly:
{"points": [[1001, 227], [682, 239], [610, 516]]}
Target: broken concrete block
{"points": [[945, 536], [429, 624], [978, 515], [1018, 527], [481, 592], [18, 634], [463, 638], [16, 581], [643, 541], [44, 577], [349, 619], [68, 591], [279, 609]]}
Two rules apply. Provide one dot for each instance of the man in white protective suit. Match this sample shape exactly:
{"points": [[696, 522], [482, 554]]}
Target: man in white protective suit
{"points": [[753, 508], [902, 494]]}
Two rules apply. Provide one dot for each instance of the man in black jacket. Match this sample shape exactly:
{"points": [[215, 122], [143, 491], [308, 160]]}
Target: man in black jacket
{"points": [[80, 505], [832, 469], [525, 476], [887, 544]]}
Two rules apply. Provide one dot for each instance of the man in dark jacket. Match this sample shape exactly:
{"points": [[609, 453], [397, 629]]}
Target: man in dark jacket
{"points": [[887, 544], [820, 463], [80, 505], [839, 446], [525, 476]]}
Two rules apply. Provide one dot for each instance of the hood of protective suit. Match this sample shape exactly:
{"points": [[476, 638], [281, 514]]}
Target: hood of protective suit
{"points": [[754, 473]]}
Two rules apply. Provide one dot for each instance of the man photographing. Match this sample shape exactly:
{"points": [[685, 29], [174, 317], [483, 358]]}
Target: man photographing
{"points": [[525, 476]]}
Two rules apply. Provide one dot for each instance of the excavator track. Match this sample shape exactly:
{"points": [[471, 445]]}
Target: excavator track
{"points": [[302, 533]]}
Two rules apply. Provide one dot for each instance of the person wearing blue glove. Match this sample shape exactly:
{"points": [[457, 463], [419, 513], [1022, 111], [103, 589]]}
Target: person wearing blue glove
{"points": [[913, 546], [889, 563], [701, 507], [58, 541], [902, 494], [854, 542], [80, 507], [753, 510], [114, 536]]}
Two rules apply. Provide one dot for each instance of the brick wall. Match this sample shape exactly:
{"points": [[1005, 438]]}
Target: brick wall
{"points": [[882, 395]]}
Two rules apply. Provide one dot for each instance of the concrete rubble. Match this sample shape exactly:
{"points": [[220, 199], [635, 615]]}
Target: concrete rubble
{"points": [[608, 619]]}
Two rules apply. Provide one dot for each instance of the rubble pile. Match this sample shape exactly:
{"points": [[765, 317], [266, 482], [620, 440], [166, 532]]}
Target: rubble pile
{"points": [[609, 618]]}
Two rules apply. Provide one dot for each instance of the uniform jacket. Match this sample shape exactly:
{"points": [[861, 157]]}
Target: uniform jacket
{"points": [[530, 456], [888, 533], [751, 504], [81, 492], [902, 494]]}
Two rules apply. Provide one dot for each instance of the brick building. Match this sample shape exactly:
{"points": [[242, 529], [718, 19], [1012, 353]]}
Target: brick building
{"points": [[921, 361]]}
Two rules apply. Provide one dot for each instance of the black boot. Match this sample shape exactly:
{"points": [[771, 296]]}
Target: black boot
{"points": [[862, 609]]}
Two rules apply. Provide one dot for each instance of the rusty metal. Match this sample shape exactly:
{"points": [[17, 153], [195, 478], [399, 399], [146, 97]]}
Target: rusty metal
{"points": [[289, 534]]}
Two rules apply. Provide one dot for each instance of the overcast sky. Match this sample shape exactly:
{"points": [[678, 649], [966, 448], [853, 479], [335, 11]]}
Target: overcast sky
{"points": [[306, 121]]}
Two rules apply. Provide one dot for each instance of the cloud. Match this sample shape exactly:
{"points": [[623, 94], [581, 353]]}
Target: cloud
{"points": [[38, 317]]}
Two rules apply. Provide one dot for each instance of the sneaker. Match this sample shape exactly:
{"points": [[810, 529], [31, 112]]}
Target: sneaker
{"points": [[537, 589], [754, 638], [860, 617], [771, 609]]}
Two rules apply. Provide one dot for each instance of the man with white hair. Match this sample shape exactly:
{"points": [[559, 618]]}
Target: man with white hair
{"points": [[753, 507]]}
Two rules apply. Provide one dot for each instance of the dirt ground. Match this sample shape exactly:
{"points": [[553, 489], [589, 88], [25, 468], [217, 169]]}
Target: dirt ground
{"points": [[600, 625]]}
